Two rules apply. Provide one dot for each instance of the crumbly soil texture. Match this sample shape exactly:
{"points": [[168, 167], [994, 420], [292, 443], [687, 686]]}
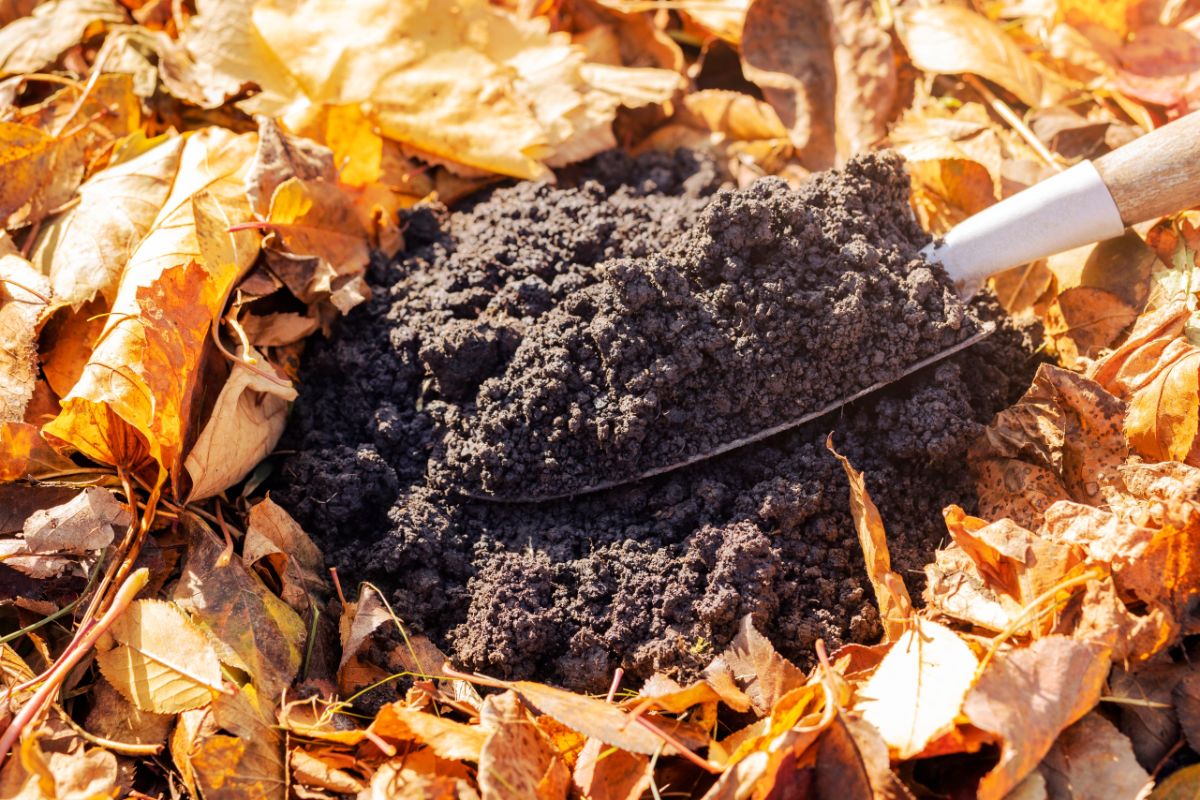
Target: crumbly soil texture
{"points": [[543, 337]]}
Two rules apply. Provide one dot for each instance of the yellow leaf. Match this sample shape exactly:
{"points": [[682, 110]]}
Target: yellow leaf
{"points": [[895, 606], [84, 249], [244, 756], [953, 40], [244, 426], [159, 659], [133, 401], [35, 42], [25, 454], [917, 691]]}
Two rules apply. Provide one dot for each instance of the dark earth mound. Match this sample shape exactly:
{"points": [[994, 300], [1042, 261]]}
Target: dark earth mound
{"points": [[653, 576], [774, 304]]}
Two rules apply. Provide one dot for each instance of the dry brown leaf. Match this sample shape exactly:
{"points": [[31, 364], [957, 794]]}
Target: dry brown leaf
{"points": [[315, 218], [1186, 698], [916, 693], [1162, 422], [85, 249], [592, 717], [50, 766], [1092, 759], [280, 157], [273, 535], [1062, 440], [252, 628], [174, 286], [155, 656], [35, 42], [1084, 320], [1027, 696], [84, 523], [1022, 287], [24, 296], [114, 717], [448, 739], [277, 330], [246, 757], [1143, 707], [603, 773], [843, 770], [245, 424], [953, 40], [891, 595], [763, 674], [311, 771], [417, 776], [518, 760], [827, 68]]}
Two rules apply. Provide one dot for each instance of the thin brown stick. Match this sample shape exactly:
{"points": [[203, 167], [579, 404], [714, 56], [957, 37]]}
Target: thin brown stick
{"points": [[1005, 112]]}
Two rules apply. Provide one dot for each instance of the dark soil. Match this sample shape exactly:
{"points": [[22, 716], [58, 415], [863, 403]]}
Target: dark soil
{"points": [[774, 304], [656, 575]]}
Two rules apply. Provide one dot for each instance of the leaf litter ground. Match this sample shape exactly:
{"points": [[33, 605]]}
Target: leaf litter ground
{"points": [[653, 576]]}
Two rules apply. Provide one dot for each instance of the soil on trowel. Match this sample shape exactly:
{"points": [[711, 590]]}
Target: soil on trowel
{"points": [[772, 305], [654, 575]]}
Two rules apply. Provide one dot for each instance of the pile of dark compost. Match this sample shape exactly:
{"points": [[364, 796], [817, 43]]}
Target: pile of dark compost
{"points": [[654, 575]]}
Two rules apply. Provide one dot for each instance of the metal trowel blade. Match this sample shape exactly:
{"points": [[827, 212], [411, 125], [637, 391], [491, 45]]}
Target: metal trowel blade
{"points": [[986, 330]]}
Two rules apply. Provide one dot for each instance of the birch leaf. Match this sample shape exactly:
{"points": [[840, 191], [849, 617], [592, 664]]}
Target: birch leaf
{"points": [[159, 659]]}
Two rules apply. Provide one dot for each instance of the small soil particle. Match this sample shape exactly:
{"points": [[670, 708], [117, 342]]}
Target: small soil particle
{"points": [[654, 575]]}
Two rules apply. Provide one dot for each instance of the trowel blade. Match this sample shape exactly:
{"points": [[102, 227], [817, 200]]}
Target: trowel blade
{"points": [[987, 329]]}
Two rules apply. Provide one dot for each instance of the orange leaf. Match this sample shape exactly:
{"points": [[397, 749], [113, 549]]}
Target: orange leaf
{"points": [[1162, 423]]}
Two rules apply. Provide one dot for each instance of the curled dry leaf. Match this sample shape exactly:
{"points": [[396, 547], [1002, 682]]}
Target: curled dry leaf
{"points": [[1093, 759], [518, 760], [311, 771], [827, 68], [891, 595], [24, 297], [1062, 440], [245, 424], [916, 693], [280, 157], [273, 535], [763, 674], [602, 773], [82, 524], [953, 40], [155, 656], [85, 248], [448, 739], [1027, 696]]}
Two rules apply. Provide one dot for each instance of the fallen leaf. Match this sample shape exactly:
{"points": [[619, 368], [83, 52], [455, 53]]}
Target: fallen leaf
{"points": [[1061, 440], [1092, 759], [114, 717], [80, 525], [174, 286], [833, 82], [279, 158], [1162, 421], [448, 739], [590, 716], [312, 771], [891, 595], [245, 424], [315, 218], [1186, 697], [25, 453], [85, 248], [608, 773], [24, 298], [159, 659], [1143, 700], [517, 759], [254, 630], [1179, 785], [1027, 697], [917, 691], [32, 43], [272, 534], [244, 757], [1084, 320], [953, 40], [418, 776]]}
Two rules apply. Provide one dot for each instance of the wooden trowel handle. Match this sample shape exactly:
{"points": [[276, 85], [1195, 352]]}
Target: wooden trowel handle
{"points": [[1156, 174]]}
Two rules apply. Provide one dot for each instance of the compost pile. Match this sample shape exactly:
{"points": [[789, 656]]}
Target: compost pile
{"points": [[552, 295]]}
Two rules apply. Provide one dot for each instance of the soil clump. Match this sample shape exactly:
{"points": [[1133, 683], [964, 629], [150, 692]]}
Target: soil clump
{"points": [[654, 575], [774, 304]]}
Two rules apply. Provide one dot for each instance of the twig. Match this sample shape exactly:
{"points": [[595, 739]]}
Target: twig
{"points": [[616, 682], [70, 658], [1005, 111]]}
